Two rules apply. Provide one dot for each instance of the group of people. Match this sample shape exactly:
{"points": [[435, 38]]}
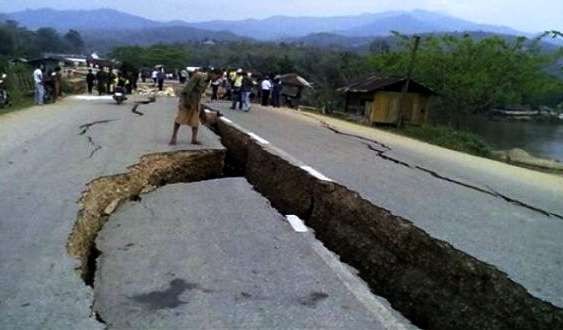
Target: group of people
{"points": [[239, 86], [48, 84], [270, 90], [107, 80]]}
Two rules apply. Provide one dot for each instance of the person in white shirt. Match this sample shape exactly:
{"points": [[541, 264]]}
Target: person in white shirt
{"points": [[39, 88], [154, 77], [266, 86]]}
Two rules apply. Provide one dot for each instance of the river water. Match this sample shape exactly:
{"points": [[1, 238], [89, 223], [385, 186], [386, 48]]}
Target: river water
{"points": [[540, 139]]}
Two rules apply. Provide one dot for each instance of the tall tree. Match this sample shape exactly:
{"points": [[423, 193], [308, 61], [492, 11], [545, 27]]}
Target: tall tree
{"points": [[48, 40], [7, 43], [74, 40]]}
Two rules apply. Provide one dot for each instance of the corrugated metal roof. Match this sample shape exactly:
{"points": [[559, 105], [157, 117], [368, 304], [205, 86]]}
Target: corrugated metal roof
{"points": [[294, 79], [375, 83]]}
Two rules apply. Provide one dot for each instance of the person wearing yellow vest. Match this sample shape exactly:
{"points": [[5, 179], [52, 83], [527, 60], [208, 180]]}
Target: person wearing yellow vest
{"points": [[237, 85]]}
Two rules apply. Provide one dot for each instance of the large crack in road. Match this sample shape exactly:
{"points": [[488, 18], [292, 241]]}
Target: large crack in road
{"points": [[432, 283], [383, 155], [429, 281], [104, 195]]}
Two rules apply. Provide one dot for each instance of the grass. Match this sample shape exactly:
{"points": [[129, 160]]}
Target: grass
{"points": [[17, 105], [437, 135], [448, 138]]}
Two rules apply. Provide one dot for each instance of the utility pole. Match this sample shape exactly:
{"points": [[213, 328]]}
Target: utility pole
{"points": [[406, 85]]}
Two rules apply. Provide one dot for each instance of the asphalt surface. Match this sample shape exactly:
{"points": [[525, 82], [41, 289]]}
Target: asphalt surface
{"points": [[44, 166], [47, 156], [467, 201], [216, 255]]}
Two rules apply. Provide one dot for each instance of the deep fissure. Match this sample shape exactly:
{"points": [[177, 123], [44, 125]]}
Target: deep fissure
{"points": [[427, 280]]}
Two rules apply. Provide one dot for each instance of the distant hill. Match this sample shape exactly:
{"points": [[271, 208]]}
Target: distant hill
{"points": [[365, 25], [81, 19], [272, 28], [104, 40], [279, 27], [103, 29], [419, 21], [108, 27]]}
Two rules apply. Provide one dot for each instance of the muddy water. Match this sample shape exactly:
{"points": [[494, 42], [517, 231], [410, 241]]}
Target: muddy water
{"points": [[538, 138]]}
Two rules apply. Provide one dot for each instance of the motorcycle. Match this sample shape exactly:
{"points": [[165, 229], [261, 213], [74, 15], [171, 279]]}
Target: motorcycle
{"points": [[4, 96], [119, 95]]}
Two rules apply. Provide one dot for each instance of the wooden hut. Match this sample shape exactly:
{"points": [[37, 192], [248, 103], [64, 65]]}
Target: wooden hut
{"points": [[378, 100]]}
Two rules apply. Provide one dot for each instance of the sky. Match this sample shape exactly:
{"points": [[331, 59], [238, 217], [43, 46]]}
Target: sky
{"points": [[524, 15]]}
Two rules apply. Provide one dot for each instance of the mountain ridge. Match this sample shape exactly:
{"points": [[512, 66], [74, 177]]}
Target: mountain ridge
{"points": [[279, 26]]}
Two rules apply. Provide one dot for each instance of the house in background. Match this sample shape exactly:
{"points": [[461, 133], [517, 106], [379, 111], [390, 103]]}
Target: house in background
{"points": [[48, 63], [378, 100]]}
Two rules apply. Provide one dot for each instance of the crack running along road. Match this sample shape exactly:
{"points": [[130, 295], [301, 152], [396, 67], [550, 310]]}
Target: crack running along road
{"points": [[519, 241], [382, 154]]}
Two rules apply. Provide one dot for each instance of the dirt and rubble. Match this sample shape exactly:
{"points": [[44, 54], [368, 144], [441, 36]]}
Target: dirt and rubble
{"points": [[151, 91], [103, 195]]}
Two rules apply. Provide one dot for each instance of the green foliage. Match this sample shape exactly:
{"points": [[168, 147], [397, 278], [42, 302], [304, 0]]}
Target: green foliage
{"points": [[49, 39], [475, 75], [17, 41], [379, 46], [448, 138], [170, 56], [19, 84], [73, 40]]}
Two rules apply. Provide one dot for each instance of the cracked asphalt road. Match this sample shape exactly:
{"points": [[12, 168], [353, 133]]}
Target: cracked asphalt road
{"points": [[237, 264], [503, 215], [44, 166]]}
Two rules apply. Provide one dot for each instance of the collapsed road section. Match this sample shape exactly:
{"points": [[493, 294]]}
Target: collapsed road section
{"points": [[173, 261], [104, 195], [434, 285]]}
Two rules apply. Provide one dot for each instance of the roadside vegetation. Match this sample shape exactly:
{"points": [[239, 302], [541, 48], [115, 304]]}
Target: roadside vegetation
{"points": [[18, 42], [447, 137], [474, 76], [440, 135]]}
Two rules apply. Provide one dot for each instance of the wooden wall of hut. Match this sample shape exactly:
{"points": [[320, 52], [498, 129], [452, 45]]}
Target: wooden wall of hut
{"points": [[385, 108]]}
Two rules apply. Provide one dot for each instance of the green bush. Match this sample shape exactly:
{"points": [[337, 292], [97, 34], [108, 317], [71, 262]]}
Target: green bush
{"points": [[448, 138], [19, 83]]}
